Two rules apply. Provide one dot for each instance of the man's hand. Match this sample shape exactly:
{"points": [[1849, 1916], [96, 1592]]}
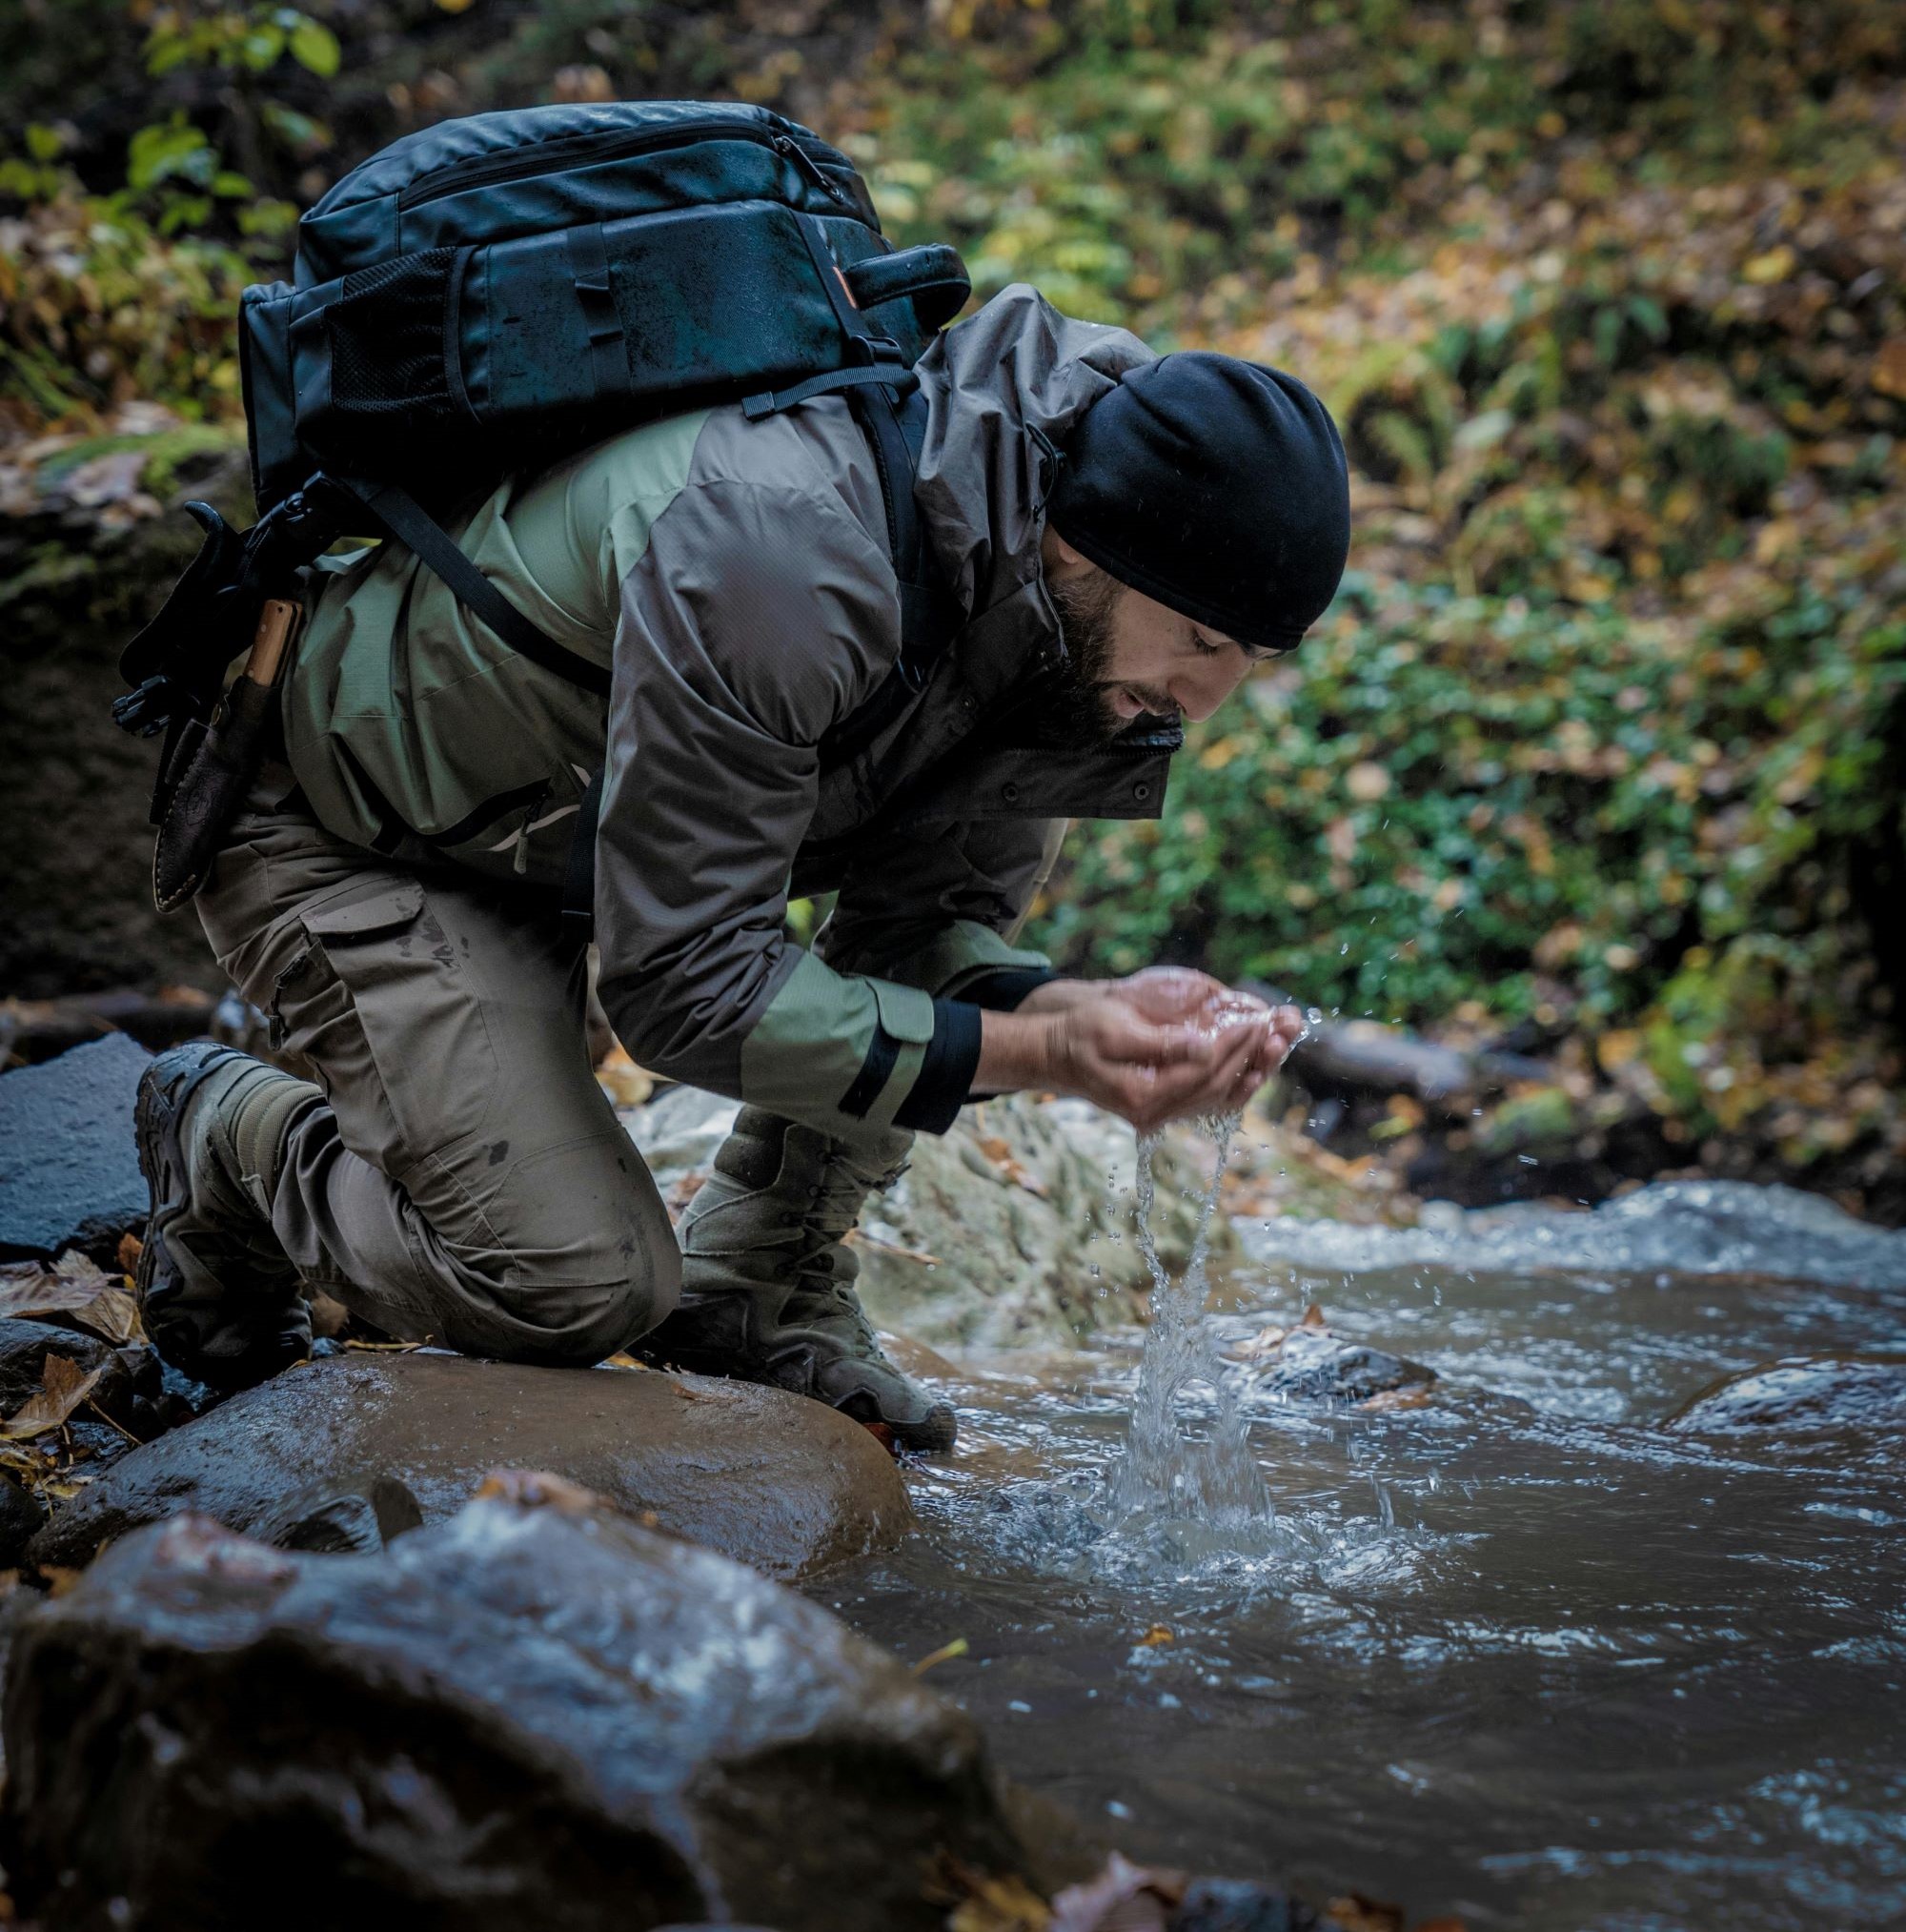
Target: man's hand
{"points": [[1160, 1046]]}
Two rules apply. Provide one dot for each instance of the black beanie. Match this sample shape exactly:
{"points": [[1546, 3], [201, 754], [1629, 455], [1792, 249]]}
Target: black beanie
{"points": [[1217, 487]]}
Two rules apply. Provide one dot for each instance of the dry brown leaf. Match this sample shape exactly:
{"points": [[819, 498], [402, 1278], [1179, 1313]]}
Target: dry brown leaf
{"points": [[74, 1287], [63, 1387], [1123, 1898], [1159, 1633], [130, 1250], [1355, 1913], [999, 1152], [1414, 1395], [983, 1902]]}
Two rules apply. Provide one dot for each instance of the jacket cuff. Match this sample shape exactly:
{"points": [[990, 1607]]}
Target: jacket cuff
{"points": [[1006, 989], [946, 1075]]}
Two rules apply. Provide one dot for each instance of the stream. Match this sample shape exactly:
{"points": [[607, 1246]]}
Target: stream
{"points": [[1507, 1648]]}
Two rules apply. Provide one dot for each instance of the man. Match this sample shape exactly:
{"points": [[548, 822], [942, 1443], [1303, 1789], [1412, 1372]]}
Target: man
{"points": [[1125, 534]]}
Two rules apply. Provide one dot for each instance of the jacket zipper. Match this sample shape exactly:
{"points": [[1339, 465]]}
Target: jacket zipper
{"points": [[456, 176]]}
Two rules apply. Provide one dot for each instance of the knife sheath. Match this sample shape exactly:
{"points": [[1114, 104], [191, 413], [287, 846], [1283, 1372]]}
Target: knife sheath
{"points": [[220, 759]]}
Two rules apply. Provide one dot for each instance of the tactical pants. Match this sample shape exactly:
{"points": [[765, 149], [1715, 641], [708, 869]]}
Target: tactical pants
{"points": [[468, 1181]]}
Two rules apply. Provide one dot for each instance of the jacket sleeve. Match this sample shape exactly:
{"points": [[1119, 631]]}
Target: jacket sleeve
{"points": [[751, 618]]}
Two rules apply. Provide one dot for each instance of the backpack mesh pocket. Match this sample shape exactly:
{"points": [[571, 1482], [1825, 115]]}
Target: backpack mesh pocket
{"points": [[388, 329]]}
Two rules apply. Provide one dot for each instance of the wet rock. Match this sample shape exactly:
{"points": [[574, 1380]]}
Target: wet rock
{"points": [[536, 1712], [20, 1519], [330, 1518], [1310, 1363], [76, 881], [1234, 1905], [68, 1172], [1011, 1231], [770, 1478], [1802, 1395]]}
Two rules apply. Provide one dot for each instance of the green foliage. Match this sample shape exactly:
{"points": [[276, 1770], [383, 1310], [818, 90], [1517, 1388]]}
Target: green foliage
{"points": [[1607, 732]]}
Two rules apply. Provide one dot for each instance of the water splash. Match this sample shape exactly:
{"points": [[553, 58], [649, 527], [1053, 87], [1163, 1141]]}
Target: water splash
{"points": [[1205, 1490]]}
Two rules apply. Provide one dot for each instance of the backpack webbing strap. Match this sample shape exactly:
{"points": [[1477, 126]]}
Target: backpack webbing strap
{"points": [[579, 875], [589, 266], [411, 524]]}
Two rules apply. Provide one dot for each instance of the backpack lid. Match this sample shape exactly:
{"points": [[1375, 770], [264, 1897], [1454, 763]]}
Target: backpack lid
{"points": [[525, 170]]}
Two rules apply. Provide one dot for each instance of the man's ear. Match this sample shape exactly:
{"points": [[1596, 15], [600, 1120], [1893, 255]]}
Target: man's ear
{"points": [[1059, 557]]}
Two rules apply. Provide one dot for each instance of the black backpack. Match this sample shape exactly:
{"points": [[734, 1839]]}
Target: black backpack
{"points": [[493, 293]]}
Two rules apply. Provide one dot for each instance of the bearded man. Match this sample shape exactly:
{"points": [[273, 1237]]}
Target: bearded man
{"points": [[1124, 535]]}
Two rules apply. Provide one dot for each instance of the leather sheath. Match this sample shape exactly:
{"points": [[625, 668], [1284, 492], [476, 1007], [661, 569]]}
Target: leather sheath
{"points": [[205, 798]]}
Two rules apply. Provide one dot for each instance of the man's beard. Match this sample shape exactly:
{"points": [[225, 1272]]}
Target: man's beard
{"points": [[1084, 697]]}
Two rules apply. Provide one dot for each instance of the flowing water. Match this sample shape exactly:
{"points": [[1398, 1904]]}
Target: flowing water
{"points": [[1519, 1652]]}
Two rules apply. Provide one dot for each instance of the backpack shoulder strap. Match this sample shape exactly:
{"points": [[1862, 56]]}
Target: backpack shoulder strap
{"points": [[929, 614], [411, 524]]}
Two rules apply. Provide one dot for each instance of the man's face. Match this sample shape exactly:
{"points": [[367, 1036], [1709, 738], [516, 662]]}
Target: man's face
{"points": [[1129, 655]]}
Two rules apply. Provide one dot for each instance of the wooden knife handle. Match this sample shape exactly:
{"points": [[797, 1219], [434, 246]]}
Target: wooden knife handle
{"points": [[276, 624]]}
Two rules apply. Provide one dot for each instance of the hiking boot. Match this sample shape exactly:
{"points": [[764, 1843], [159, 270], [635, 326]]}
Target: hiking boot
{"points": [[767, 1283], [218, 1296]]}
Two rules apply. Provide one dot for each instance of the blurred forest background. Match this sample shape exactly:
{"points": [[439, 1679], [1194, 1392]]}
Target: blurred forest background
{"points": [[1600, 757]]}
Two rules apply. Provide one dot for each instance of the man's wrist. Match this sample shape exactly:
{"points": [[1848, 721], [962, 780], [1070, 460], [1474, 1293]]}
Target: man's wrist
{"points": [[1017, 1051], [1058, 996]]}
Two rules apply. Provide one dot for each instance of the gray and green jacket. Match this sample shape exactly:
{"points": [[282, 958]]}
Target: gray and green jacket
{"points": [[735, 578]]}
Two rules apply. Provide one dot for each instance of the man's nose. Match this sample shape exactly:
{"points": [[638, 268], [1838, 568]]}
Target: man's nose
{"points": [[1199, 689]]}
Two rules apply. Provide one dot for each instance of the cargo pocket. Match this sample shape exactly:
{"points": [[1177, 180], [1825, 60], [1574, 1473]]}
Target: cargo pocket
{"points": [[383, 1005]]}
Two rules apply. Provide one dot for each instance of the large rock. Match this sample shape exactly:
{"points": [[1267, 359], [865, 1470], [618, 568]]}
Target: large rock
{"points": [[1802, 1395], [772, 1479], [69, 1170], [78, 577], [1014, 1230], [536, 1713]]}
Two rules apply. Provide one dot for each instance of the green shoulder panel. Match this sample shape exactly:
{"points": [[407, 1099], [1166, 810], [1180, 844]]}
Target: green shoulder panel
{"points": [[402, 707]]}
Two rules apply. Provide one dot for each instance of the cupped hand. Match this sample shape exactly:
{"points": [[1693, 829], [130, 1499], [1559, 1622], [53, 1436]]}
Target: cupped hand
{"points": [[1171, 1043]]}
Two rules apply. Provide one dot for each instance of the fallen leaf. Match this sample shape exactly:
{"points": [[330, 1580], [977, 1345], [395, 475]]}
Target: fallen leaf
{"points": [[63, 1387], [625, 1083], [74, 1287], [1416, 1396], [1123, 1898], [1159, 1633], [986, 1902], [1889, 369], [1000, 1153], [130, 1248], [1355, 1913]]}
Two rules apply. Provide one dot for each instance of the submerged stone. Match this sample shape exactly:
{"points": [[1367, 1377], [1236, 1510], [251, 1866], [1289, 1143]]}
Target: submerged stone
{"points": [[533, 1713], [1802, 1395], [1310, 1363], [772, 1479], [69, 1172]]}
